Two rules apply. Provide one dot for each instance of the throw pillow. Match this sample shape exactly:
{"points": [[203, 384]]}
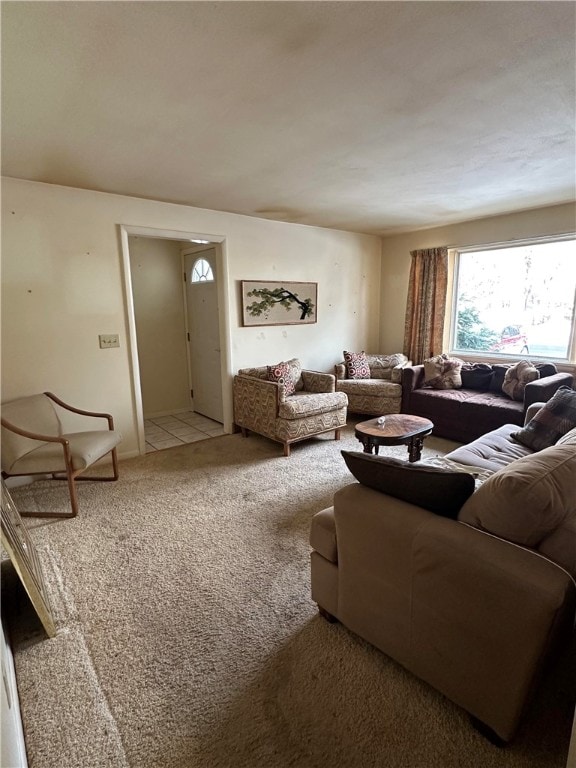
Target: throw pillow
{"points": [[498, 374], [356, 365], [295, 373], [441, 491], [476, 375], [516, 378], [528, 499], [553, 420], [443, 372], [283, 373]]}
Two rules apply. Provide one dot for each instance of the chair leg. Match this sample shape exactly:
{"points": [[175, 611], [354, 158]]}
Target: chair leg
{"points": [[337, 434], [115, 464], [73, 496], [244, 431], [286, 449]]}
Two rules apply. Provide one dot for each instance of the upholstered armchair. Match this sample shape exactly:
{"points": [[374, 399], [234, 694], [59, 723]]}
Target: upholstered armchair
{"points": [[35, 442], [372, 382], [287, 404]]}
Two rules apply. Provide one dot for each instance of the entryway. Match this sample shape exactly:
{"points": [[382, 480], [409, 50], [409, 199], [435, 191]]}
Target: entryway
{"points": [[178, 336], [179, 429]]}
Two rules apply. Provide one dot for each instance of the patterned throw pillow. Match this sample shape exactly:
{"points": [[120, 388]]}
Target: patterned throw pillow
{"points": [[282, 373], [516, 378], [356, 365], [443, 372], [553, 420]]}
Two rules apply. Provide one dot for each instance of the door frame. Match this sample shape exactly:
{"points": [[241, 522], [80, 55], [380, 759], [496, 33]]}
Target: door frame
{"points": [[125, 232]]}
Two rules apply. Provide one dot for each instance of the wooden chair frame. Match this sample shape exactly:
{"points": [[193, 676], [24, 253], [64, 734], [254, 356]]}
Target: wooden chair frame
{"points": [[70, 475]]}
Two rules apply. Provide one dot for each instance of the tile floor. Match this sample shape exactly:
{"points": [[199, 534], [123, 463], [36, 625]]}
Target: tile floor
{"points": [[179, 429]]}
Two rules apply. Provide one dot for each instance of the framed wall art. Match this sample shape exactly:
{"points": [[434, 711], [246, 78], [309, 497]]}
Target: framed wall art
{"points": [[278, 303]]}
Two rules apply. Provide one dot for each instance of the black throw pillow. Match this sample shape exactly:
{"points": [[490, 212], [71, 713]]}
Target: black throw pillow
{"points": [[476, 375], [441, 491]]}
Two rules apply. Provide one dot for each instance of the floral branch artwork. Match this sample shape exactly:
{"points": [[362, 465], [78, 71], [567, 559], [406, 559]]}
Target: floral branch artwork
{"points": [[278, 303]]}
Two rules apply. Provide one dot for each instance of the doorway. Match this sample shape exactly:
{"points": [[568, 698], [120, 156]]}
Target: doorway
{"points": [[168, 357]]}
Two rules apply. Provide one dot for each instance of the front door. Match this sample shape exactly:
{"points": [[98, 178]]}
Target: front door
{"points": [[204, 332]]}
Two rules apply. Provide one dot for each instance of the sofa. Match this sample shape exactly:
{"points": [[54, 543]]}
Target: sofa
{"points": [[461, 569], [479, 405], [287, 404], [375, 387]]}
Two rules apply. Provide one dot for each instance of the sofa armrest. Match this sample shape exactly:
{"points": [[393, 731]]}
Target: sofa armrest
{"points": [[412, 378], [340, 371], [471, 614], [542, 390], [317, 382]]}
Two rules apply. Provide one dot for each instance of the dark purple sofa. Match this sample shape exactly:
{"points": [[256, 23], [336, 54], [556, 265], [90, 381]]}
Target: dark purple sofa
{"points": [[480, 405]]}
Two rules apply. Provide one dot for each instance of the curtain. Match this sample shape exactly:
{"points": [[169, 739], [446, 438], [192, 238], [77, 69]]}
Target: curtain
{"points": [[426, 304]]}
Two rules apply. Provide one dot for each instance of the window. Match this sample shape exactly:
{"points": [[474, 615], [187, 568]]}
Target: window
{"points": [[202, 272], [516, 300]]}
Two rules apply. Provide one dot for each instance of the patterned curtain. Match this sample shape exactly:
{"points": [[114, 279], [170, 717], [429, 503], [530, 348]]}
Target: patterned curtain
{"points": [[426, 304]]}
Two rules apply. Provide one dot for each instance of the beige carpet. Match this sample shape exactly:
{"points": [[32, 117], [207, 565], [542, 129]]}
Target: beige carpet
{"points": [[187, 637]]}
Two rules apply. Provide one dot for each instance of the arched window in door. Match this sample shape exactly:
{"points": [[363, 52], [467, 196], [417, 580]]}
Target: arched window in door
{"points": [[202, 272]]}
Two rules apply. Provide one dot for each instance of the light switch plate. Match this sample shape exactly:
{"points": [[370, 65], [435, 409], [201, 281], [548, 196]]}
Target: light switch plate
{"points": [[108, 340]]}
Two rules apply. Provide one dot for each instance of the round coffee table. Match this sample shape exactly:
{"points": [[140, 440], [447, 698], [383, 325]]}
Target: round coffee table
{"points": [[397, 429]]}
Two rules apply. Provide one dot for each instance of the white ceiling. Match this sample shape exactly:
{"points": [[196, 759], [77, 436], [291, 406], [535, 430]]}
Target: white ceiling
{"points": [[366, 116]]}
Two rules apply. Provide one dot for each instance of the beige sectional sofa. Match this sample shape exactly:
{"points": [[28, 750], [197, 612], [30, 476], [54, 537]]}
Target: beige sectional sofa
{"points": [[472, 598]]}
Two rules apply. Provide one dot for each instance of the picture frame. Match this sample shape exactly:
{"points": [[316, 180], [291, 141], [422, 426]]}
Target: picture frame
{"points": [[279, 302], [20, 548]]}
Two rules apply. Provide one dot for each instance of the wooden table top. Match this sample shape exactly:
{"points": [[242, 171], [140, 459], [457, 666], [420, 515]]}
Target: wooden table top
{"points": [[396, 425]]}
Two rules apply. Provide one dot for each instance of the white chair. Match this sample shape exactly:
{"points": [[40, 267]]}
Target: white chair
{"points": [[34, 443]]}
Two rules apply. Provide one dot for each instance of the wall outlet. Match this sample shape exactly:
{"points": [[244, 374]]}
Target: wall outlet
{"points": [[108, 340]]}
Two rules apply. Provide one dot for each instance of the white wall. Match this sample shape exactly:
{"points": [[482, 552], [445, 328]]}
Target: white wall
{"points": [[62, 285], [396, 258], [156, 270]]}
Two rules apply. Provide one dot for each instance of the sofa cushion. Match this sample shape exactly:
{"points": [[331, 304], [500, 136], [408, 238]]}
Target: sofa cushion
{"points": [[476, 375], [439, 490], [370, 387], [356, 365], [527, 500], [492, 451], [553, 420], [516, 378], [442, 372]]}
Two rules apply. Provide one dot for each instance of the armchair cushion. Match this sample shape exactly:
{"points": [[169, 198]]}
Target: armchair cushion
{"points": [[303, 404], [441, 491], [85, 449]]}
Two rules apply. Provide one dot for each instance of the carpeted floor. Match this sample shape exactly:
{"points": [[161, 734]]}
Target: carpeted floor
{"points": [[188, 639]]}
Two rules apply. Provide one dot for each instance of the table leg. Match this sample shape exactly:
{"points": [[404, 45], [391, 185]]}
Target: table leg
{"points": [[415, 448], [368, 445]]}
